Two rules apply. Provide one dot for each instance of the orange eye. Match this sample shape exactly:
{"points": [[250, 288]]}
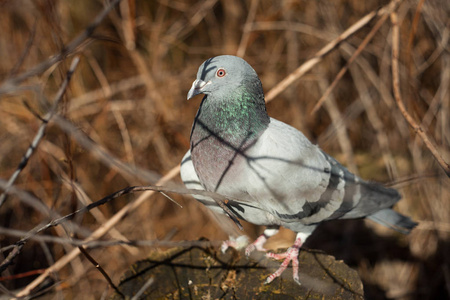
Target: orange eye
{"points": [[221, 73]]}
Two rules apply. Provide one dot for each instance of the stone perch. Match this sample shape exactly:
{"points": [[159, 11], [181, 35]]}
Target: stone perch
{"points": [[204, 273]]}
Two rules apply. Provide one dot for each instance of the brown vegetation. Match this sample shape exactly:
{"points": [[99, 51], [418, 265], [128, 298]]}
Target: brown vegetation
{"points": [[379, 70]]}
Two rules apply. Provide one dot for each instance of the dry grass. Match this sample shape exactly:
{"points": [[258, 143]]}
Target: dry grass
{"points": [[125, 107]]}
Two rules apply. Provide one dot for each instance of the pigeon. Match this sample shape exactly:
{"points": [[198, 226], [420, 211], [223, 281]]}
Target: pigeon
{"points": [[272, 174]]}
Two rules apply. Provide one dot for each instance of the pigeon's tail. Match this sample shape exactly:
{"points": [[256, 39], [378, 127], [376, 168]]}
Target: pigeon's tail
{"points": [[393, 220]]}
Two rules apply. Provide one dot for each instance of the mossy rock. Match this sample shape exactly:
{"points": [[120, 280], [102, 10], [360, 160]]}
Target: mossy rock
{"points": [[204, 273]]}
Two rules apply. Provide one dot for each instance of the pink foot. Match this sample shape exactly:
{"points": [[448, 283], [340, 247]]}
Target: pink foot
{"points": [[259, 242], [256, 245], [290, 255]]}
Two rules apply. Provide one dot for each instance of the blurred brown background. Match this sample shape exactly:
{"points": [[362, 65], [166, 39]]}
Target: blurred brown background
{"points": [[128, 95]]}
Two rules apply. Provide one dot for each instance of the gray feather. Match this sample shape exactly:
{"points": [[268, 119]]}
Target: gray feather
{"points": [[393, 220], [237, 150]]}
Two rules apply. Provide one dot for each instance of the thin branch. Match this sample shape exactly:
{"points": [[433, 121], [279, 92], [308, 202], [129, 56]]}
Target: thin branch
{"points": [[35, 203], [101, 154], [125, 135], [195, 15], [41, 131], [344, 69], [5, 291], [319, 56], [128, 11], [398, 98], [9, 259], [101, 270], [220, 200], [113, 89], [289, 26], [374, 120], [440, 49], [113, 221], [22, 275], [146, 285], [340, 129], [100, 243], [9, 85], [26, 50], [63, 261], [54, 152], [431, 225], [412, 35], [246, 34]]}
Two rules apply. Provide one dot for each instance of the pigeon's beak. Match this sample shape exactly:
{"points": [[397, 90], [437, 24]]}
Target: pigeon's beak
{"points": [[197, 88]]}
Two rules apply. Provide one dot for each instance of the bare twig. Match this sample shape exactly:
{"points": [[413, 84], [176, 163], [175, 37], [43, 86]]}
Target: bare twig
{"points": [[195, 15], [220, 200], [340, 129], [99, 232], [374, 120], [35, 203], [22, 275], [394, 4], [101, 154], [27, 199], [100, 243], [25, 52], [161, 189], [5, 291], [41, 131], [412, 35], [146, 285], [318, 57], [13, 254], [431, 225], [360, 48], [113, 89], [101, 270], [128, 10], [289, 26], [442, 46], [9, 85], [54, 152], [246, 34], [125, 135], [398, 98]]}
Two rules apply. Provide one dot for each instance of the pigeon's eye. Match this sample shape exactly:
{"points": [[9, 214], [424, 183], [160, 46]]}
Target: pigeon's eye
{"points": [[221, 73]]}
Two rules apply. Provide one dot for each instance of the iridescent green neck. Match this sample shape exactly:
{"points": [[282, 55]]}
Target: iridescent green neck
{"points": [[226, 125], [236, 119]]}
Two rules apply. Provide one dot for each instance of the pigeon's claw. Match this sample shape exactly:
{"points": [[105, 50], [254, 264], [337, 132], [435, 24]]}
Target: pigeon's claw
{"points": [[290, 255], [256, 245]]}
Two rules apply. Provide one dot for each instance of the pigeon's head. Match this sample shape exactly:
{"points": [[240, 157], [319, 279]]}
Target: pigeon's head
{"points": [[221, 74]]}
